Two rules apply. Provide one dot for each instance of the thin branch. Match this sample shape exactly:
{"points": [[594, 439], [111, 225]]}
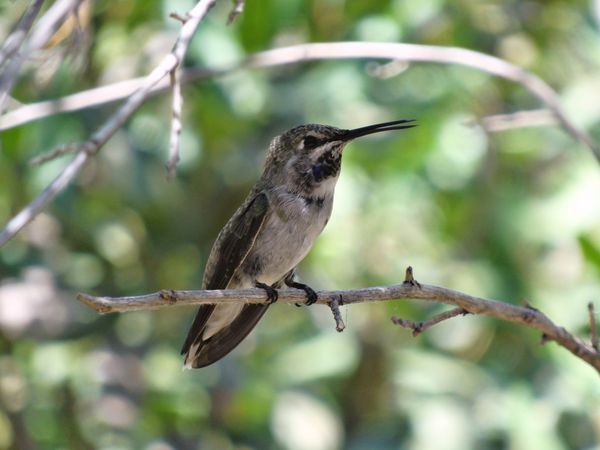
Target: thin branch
{"points": [[309, 52], [44, 30], [28, 213], [337, 315], [520, 119], [179, 17], [99, 138], [471, 304], [96, 97], [175, 140], [593, 328], [238, 8], [418, 327], [409, 277], [53, 154], [17, 36], [75, 102]]}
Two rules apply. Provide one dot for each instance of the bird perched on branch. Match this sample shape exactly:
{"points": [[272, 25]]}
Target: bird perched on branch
{"points": [[271, 232]]}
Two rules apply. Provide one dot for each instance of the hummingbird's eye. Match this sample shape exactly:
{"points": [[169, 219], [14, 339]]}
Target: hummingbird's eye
{"points": [[310, 142]]}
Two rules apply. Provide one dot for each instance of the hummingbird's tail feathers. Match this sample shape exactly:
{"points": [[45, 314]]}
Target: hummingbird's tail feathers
{"points": [[204, 312], [201, 353]]}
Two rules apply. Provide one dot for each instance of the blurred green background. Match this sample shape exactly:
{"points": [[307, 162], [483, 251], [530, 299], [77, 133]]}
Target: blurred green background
{"points": [[512, 215]]}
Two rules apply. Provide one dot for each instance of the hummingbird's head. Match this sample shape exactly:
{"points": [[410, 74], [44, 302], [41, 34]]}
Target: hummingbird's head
{"points": [[307, 158]]}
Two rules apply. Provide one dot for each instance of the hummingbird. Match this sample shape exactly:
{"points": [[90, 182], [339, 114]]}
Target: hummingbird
{"points": [[271, 232]]}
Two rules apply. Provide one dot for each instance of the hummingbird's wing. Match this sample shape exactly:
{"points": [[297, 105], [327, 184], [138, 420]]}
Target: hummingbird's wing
{"points": [[235, 242], [229, 251]]}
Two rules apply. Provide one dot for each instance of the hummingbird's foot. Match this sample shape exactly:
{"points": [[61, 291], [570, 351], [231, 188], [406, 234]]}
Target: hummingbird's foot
{"points": [[311, 295], [272, 294]]}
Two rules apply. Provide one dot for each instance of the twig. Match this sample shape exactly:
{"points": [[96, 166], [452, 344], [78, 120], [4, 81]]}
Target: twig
{"points": [[520, 119], [179, 17], [409, 277], [418, 327], [471, 304], [238, 8], [44, 29], [75, 102], [176, 106], [337, 315], [593, 328], [309, 52], [53, 154], [17, 36], [96, 97], [99, 138]]}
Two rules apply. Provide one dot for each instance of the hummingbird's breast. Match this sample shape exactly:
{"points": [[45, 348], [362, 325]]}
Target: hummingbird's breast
{"points": [[289, 232]]}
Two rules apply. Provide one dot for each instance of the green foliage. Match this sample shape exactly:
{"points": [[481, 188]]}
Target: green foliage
{"points": [[511, 215]]}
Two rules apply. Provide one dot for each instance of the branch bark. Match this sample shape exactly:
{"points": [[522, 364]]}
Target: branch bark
{"points": [[176, 126], [419, 327], [466, 303]]}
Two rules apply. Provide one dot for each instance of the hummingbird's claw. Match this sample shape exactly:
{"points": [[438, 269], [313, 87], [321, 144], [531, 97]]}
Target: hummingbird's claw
{"points": [[311, 295], [272, 294]]}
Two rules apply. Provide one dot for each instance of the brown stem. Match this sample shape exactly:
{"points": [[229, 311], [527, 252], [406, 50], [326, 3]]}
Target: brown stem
{"points": [[418, 327]]}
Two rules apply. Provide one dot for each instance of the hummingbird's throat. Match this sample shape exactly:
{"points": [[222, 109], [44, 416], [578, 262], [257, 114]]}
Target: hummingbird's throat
{"points": [[327, 165]]}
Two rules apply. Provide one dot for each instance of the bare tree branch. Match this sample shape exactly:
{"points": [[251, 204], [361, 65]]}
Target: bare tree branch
{"points": [[308, 52], [519, 119], [176, 127], [75, 102], [418, 327], [17, 36], [238, 8], [179, 17], [464, 303], [99, 138], [45, 28], [337, 315], [55, 153]]}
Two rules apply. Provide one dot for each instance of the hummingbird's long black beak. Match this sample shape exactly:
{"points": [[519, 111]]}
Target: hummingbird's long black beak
{"points": [[348, 135]]}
